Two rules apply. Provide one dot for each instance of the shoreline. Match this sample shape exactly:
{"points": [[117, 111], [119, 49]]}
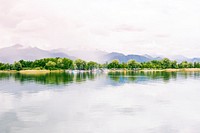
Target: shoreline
{"points": [[34, 72], [106, 71], [172, 70]]}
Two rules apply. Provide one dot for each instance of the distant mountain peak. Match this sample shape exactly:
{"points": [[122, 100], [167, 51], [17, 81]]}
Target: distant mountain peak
{"points": [[148, 56], [116, 53], [17, 46], [18, 52]]}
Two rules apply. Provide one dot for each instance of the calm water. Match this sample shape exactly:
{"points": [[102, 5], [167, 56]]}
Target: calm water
{"points": [[154, 102]]}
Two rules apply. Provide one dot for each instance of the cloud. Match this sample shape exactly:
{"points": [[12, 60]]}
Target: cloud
{"points": [[127, 28], [162, 35], [31, 25], [114, 25]]}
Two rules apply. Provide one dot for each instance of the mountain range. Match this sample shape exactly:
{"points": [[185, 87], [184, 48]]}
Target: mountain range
{"points": [[18, 52]]}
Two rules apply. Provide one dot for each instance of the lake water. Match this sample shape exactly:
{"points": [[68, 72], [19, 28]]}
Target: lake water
{"points": [[135, 102]]}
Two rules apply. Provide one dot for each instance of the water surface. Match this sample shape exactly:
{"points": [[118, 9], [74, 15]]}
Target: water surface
{"points": [[134, 102]]}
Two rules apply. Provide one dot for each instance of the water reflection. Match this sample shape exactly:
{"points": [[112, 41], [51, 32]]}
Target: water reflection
{"points": [[113, 77], [50, 78], [100, 103], [142, 76]]}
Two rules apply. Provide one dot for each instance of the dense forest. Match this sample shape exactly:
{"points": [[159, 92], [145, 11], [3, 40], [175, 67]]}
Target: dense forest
{"points": [[67, 64]]}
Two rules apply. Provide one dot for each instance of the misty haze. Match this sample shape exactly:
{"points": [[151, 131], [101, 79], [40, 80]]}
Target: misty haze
{"points": [[97, 66]]}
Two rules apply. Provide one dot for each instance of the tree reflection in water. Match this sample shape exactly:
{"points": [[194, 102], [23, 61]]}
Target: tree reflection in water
{"points": [[118, 77]]}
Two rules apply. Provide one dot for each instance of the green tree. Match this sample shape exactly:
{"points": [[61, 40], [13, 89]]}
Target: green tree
{"points": [[60, 64], [166, 63], [26, 64], [190, 65], [80, 64], [50, 65], [146, 65], [39, 63], [1, 66], [6, 66], [184, 64], [174, 64], [92, 65], [114, 64], [155, 64], [124, 65], [132, 64], [17, 66], [67, 63], [196, 65]]}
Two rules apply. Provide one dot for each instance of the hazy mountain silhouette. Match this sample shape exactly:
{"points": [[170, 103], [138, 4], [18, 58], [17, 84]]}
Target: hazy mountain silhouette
{"points": [[18, 52], [84, 54], [124, 58]]}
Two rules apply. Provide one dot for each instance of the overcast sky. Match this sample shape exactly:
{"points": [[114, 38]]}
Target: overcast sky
{"points": [[162, 27]]}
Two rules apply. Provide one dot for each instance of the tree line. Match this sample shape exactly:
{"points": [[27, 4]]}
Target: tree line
{"points": [[68, 64]]}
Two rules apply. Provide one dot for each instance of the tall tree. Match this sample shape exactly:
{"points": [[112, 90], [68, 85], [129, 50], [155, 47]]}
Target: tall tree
{"points": [[132, 64], [17, 66], [80, 64], [166, 63], [50, 65], [114, 64], [92, 65]]}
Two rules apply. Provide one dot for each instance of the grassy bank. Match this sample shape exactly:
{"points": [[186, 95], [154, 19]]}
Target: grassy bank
{"points": [[32, 71], [184, 70], [173, 70], [157, 70], [109, 70], [8, 71], [39, 71]]}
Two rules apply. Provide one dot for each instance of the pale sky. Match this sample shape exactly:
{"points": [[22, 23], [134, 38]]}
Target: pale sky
{"points": [[162, 27]]}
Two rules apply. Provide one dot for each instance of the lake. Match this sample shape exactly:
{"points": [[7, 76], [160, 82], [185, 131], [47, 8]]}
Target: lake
{"points": [[131, 102]]}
